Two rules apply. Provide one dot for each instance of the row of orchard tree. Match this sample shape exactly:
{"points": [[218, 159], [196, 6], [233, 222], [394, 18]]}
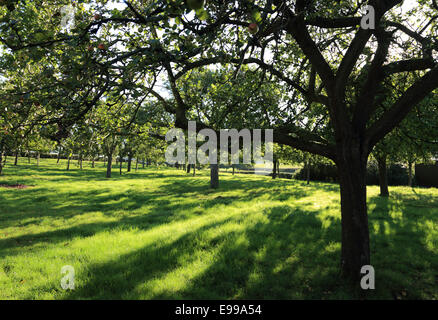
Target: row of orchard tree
{"points": [[306, 69], [122, 133]]}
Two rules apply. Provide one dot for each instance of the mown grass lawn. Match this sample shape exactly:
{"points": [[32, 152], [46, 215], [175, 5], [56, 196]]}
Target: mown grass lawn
{"points": [[156, 234]]}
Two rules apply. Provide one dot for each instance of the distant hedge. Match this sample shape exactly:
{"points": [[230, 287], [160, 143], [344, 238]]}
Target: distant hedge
{"points": [[397, 175], [319, 172], [426, 175]]}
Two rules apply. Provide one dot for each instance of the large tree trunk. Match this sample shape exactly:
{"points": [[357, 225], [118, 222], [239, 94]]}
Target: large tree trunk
{"points": [[188, 168], [355, 251], [214, 176], [383, 176], [410, 173], [109, 164]]}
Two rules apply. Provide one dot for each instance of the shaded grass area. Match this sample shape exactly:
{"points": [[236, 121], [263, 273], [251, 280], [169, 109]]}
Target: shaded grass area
{"points": [[160, 233]]}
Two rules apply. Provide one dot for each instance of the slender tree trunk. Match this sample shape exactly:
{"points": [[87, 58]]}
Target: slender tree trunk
{"points": [[121, 165], [383, 176], [80, 161], [68, 162], [233, 169], [214, 176], [38, 159], [143, 162], [109, 164], [1, 160], [355, 251], [59, 155], [92, 162], [278, 168], [129, 162], [308, 171], [188, 168], [28, 156], [274, 171], [410, 173], [16, 158]]}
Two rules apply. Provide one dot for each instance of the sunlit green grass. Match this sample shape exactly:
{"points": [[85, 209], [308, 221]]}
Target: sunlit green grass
{"points": [[161, 233]]}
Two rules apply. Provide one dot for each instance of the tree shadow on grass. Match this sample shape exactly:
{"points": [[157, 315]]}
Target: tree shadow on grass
{"points": [[266, 260], [292, 254], [404, 245]]}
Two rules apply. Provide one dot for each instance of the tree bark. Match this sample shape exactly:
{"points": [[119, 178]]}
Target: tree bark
{"points": [[274, 171], [308, 171], [214, 176], [68, 163], [59, 155], [80, 161], [143, 162], [109, 164], [410, 173], [121, 165], [383, 176], [355, 251], [188, 167], [28, 156], [194, 169], [129, 162], [38, 159], [16, 158], [233, 169], [1, 160]]}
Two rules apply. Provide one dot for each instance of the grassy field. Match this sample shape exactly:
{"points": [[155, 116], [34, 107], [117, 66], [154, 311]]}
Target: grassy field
{"points": [[156, 234]]}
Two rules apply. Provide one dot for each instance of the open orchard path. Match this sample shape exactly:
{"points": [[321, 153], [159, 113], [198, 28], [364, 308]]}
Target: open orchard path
{"points": [[160, 233]]}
